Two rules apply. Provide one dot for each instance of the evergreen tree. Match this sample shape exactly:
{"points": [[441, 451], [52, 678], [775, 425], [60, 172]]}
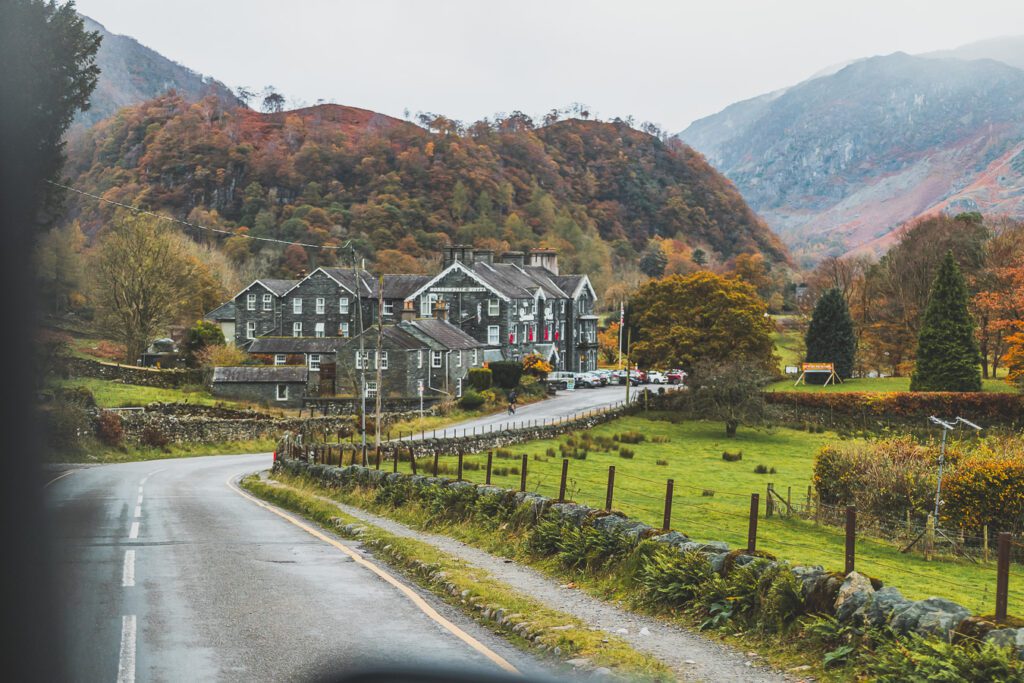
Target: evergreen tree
{"points": [[947, 351], [830, 337]]}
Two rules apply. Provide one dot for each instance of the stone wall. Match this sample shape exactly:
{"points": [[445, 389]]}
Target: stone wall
{"points": [[184, 428], [130, 374]]}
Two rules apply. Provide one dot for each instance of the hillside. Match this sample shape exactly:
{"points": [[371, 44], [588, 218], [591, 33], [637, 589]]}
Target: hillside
{"points": [[837, 162], [131, 73], [596, 191]]}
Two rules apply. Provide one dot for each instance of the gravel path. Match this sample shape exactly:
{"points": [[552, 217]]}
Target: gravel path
{"points": [[691, 656]]}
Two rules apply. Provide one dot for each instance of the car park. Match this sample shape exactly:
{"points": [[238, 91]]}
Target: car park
{"points": [[561, 380], [655, 377], [588, 380], [675, 376], [605, 376]]}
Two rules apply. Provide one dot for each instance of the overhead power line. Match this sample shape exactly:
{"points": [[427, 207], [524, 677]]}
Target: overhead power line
{"points": [[160, 216]]}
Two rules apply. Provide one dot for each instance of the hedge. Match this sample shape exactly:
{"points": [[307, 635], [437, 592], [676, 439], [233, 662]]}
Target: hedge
{"points": [[480, 378], [506, 373], [858, 408]]}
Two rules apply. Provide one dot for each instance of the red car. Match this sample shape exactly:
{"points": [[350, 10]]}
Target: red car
{"points": [[675, 376]]}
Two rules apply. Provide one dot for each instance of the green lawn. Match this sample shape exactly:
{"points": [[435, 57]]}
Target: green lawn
{"points": [[789, 347], [878, 384], [694, 456], [111, 394]]}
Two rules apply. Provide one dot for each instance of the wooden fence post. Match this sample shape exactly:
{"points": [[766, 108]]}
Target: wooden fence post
{"points": [[769, 504], [565, 476], [435, 463], [395, 455], [755, 503], [611, 488], [666, 522], [929, 538], [460, 467], [1002, 576], [412, 460], [522, 474], [789, 500], [984, 542], [490, 455], [851, 537]]}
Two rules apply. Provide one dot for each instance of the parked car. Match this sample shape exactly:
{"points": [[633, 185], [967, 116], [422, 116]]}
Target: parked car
{"points": [[588, 380], [675, 376], [656, 377], [605, 376], [634, 377], [561, 380]]}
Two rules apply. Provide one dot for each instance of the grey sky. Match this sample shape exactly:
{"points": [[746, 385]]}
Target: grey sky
{"points": [[667, 62]]}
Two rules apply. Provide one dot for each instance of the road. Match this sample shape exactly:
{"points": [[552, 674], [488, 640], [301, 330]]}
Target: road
{"points": [[564, 405], [167, 572]]}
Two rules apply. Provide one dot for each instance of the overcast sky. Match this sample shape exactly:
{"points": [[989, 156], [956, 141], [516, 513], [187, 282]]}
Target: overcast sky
{"points": [[666, 62]]}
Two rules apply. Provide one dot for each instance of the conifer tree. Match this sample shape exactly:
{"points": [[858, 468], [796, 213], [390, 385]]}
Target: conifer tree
{"points": [[947, 351], [830, 337]]}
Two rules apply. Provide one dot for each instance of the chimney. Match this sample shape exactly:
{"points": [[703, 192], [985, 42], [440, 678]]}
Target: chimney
{"points": [[441, 309], [545, 258], [456, 252], [483, 256], [408, 311], [514, 257]]}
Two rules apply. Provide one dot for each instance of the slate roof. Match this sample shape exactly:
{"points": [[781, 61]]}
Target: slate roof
{"points": [[394, 338], [367, 285], [278, 287], [443, 332], [515, 282], [260, 373], [226, 311], [568, 283], [296, 344], [402, 286]]}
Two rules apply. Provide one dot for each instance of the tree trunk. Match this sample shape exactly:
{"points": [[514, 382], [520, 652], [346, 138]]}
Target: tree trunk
{"points": [[730, 428]]}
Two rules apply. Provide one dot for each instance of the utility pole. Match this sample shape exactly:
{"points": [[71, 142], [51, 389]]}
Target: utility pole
{"points": [[946, 427], [362, 349], [622, 318], [380, 370], [629, 374]]}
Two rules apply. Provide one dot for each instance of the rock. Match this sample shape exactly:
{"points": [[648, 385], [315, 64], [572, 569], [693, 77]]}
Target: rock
{"points": [[707, 547], [718, 562], [883, 604], [853, 595], [672, 538], [621, 631], [572, 513], [1008, 637], [602, 671], [645, 631], [934, 616], [578, 663]]}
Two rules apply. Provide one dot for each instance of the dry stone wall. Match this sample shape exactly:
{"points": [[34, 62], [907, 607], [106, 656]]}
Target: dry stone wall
{"points": [[130, 374]]}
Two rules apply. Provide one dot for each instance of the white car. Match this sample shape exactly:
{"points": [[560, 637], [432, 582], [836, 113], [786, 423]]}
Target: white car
{"points": [[655, 377]]}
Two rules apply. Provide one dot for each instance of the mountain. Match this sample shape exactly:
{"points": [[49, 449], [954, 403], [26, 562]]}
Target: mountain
{"points": [[322, 175], [1006, 49], [131, 73], [836, 163]]}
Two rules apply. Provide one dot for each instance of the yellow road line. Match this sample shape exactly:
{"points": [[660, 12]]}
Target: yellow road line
{"points": [[47, 484], [405, 590]]}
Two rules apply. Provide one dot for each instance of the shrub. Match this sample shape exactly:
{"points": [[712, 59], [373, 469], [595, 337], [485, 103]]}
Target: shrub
{"points": [[762, 469], [661, 462], [506, 373], [631, 437], [471, 399], [732, 457], [672, 578], [550, 452], [660, 439], [708, 493], [986, 486], [66, 422], [202, 335], [220, 355], [531, 386], [154, 436], [76, 396], [626, 453], [925, 659], [504, 453], [480, 379], [109, 428]]}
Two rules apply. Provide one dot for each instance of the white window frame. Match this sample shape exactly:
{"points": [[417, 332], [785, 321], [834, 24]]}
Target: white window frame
{"points": [[493, 335], [250, 302], [427, 302], [343, 329], [474, 357], [362, 356], [343, 305], [297, 329], [383, 360], [389, 308], [282, 392], [314, 362], [297, 305], [493, 307], [268, 302], [419, 358], [321, 305], [436, 358], [515, 334], [318, 330], [250, 329], [371, 388], [458, 359], [280, 359], [458, 388]]}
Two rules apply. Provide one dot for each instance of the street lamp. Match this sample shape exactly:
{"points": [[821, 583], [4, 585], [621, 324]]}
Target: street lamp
{"points": [[946, 427]]}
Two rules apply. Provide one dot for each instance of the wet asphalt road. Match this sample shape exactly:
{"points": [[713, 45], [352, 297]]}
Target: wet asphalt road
{"points": [[167, 574]]}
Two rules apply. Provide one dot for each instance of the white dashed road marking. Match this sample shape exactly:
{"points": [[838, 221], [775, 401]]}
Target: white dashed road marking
{"points": [[134, 533], [126, 661], [128, 573]]}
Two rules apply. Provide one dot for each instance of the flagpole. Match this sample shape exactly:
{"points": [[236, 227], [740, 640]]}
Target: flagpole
{"points": [[622, 317]]}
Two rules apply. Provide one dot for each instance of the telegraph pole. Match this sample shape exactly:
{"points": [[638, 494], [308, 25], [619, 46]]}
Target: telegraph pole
{"points": [[362, 350], [380, 346]]}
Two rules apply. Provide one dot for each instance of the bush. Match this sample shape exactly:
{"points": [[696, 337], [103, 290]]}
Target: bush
{"points": [[66, 422], [110, 428], [550, 452], [924, 659], [154, 436], [631, 437], [708, 493], [76, 396], [480, 378], [202, 335], [626, 453], [763, 469], [986, 487], [504, 453], [661, 462], [531, 386], [506, 373], [471, 399], [732, 457]]}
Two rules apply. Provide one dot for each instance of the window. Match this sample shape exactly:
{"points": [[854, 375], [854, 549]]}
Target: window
{"points": [[296, 329], [268, 302], [427, 302], [493, 307], [314, 362], [318, 330], [563, 306], [371, 389], [492, 335], [389, 308], [282, 392], [435, 359], [513, 335], [419, 359], [320, 305], [250, 329], [383, 360], [297, 305], [458, 388], [458, 359], [474, 357], [250, 302], [362, 359], [343, 305], [280, 359], [343, 330]]}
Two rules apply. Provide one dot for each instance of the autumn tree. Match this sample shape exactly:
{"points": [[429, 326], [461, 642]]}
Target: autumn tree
{"points": [[653, 260], [608, 343], [830, 337], [729, 391], [59, 267], [273, 101], [680, 320], [143, 278], [947, 351]]}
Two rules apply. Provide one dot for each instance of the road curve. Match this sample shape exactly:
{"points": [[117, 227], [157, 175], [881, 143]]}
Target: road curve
{"points": [[166, 573]]}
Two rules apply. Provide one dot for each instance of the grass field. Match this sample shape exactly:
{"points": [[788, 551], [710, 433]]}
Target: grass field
{"points": [[694, 460], [878, 384], [111, 394]]}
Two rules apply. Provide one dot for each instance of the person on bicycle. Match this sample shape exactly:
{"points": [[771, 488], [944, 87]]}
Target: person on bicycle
{"points": [[512, 402]]}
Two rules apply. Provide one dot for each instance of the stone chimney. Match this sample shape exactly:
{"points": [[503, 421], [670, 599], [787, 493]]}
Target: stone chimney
{"points": [[441, 309], [456, 252], [545, 258], [483, 256], [409, 310], [514, 257]]}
